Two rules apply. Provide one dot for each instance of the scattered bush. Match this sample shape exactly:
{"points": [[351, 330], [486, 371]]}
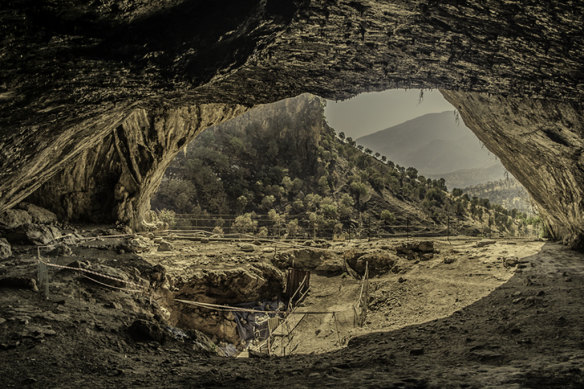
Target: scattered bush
{"points": [[167, 216]]}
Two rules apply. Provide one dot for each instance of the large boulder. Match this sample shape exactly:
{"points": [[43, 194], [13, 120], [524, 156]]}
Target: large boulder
{"points": [[421, 250], [137, 244], [42, 234], [305, 258], [37, 234], [163, 245], [39, 215], [14, 218]]}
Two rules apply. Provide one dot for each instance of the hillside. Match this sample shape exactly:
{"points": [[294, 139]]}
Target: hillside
{"points": [[509, 193], [280, 169], [435, 143], [463, 178]]}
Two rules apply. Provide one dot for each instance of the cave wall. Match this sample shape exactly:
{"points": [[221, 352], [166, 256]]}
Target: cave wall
{"points": [[541, 142], [73, 72], [114, 180]]}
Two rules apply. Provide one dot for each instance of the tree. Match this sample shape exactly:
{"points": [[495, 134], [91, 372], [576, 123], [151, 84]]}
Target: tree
{"points": [[268, 201], [292, 227], [456, 192], [441, 184], [276, 219], [383, 158], [323, 184], [337, 230], [245, 224], [377, 155], [459, 208], [412, 172], [360, 147], [435, 197], [342, 135], [297, 206], [241, 203], [387, 216], [167, 216], [313, 220], [377, 181], [263, 232], [297, 184], [175, 194], [312, 201], [359, 190], [368, 151], [345, 203], [287, 183]]}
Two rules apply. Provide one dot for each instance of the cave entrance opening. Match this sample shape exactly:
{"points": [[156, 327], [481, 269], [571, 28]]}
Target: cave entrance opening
{"points": [[279, 171]]}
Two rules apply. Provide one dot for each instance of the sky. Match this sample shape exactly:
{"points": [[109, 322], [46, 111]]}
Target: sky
{"points": [[370, 112]]}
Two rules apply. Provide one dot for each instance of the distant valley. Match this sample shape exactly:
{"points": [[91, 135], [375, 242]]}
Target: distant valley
{"points": [[438, 145]]}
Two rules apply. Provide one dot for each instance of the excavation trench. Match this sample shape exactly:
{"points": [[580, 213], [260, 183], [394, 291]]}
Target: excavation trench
{"points": [[231, 305], [258, 299], [411, 282]]}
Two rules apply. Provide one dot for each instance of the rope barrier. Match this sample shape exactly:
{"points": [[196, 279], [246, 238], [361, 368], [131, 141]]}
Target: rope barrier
{"points": [[227, 308], [111, 286], [87, 271]]}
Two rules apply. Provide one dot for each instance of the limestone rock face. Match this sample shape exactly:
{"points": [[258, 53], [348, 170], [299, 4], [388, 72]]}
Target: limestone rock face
{"points": [[541, 143], [81, 81], [114, 180]]}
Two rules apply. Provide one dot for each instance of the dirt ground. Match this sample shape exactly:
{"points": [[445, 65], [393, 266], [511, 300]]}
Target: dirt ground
{"points": [[505, 314], [457, 276]]}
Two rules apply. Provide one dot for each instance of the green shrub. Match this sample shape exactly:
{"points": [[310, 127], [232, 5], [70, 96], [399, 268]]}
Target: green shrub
{"points": [[167, 216]]}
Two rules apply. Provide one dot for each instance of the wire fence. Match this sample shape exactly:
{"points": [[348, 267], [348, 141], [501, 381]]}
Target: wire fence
{"points": [[300, 226], [97, 277]]}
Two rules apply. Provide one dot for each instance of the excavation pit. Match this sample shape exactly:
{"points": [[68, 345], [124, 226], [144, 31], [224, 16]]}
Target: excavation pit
{"points": [[403, 289]]}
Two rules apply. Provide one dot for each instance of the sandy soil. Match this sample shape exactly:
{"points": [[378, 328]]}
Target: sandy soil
{"points": [[469, 323]]}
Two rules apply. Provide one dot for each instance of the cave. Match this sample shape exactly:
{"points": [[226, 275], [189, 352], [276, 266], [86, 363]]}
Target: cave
{"points": [[91, 89], [97, 98]]}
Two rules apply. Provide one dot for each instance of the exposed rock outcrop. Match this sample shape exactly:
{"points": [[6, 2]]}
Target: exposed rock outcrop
{"points": [[73, 75], [377, 262], [238, 285], [114, 180], [541, 143], [29, 224]]}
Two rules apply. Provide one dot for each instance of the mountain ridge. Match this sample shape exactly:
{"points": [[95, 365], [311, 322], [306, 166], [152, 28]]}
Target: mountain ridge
{"points": [[434, 143]]}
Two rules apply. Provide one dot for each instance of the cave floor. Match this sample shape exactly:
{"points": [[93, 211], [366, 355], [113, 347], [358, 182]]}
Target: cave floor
{"points": [[496, 327]]}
